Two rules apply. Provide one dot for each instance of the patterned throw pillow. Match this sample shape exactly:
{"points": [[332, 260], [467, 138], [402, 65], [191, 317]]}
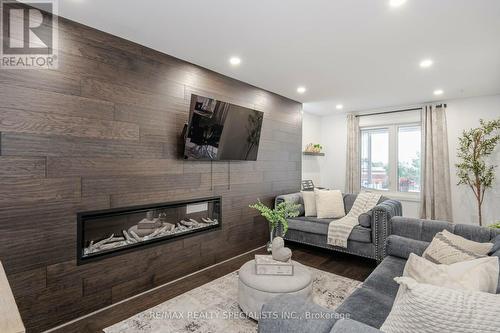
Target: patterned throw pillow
{"points": [[468, 245], [423, 308], [446, 249]]}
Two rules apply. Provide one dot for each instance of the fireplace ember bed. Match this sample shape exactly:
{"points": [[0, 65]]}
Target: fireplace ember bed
{"points": [[110, 232]]}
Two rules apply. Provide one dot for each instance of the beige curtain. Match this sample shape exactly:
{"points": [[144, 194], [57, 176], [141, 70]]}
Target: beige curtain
{"points": [[353, 177], [436, 187]]}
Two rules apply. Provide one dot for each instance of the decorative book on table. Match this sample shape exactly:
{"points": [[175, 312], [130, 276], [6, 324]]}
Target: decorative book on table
{"points": [[266, 265]]}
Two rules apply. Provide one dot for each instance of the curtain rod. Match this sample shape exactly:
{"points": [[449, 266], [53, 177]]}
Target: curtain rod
{"points": [[395, 111]]}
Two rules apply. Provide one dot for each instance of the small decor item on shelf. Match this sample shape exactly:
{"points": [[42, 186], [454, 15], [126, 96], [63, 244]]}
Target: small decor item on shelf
{"points": [[313, 148], [277, 216], [266, 265], [280, 252]]}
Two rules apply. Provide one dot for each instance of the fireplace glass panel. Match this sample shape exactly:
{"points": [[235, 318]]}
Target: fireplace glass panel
{"points": [[106, 232]]}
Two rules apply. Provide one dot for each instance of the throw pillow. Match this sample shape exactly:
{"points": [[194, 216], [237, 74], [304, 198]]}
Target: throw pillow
{"points": [[424, 308], [468, 245], [442, 251], [329, 204], [309, 203], [479, 274]]}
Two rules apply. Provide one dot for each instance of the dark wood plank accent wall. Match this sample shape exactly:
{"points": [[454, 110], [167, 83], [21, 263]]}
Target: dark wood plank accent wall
{"points": [[102, 131]]}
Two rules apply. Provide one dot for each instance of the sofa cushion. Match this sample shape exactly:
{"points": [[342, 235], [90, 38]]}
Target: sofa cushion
{"points": [[382, 277], [378, 290], [315, 225], [352, 326], [367, 306]]}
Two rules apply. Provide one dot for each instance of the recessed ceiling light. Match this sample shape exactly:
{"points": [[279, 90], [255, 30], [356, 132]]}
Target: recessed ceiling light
{"points": [[339, 106], [301, 90], [234, 61], [426, 63], [396, 3], [438, 92]]}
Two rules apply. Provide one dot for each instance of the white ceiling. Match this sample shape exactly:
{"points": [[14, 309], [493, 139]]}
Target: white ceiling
{"points": [[361, 53]]}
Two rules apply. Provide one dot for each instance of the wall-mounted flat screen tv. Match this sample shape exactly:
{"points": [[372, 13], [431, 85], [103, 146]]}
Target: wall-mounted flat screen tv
{"points": [[221, 131]]}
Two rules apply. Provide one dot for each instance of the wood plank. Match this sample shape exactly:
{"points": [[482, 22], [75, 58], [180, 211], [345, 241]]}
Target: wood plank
{"points": [[121, 94], [92, 167], [132, 199], [28, 167], [28, 282], [10, 319], [172, 115], [12, 120], [32, 190], [116, 185], [35, 100], [63, 146], [41, 79]]}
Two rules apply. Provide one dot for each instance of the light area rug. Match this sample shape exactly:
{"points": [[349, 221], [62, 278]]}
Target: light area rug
{"points": [[213, 307]]}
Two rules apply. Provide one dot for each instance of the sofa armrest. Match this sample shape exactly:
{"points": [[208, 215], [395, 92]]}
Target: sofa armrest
{"points": [[352, 326], [381, 215], [288, 313], [295, 198], [401, 247]]}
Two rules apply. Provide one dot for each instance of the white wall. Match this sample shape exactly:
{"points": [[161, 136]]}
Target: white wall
{"points": [[311, 133], [461, 114], [334, 138]]}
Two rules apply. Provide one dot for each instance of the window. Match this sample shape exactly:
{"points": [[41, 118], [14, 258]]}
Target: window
{"points": [[375, 159], [409, 158], [390, 158]]}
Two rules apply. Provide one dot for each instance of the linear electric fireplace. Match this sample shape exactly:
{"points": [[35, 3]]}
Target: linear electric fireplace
{"points": [[109, 232]]}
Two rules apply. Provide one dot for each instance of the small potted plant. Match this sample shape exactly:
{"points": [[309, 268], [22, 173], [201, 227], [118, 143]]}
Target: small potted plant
{"points": [[277, 216]]}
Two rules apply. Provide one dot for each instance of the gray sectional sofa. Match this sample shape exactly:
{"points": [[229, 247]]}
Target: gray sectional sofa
{"points": [[367, 307], [367, 239]]}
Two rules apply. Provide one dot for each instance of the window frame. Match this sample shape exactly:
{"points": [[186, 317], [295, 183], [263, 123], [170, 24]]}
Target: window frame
{"points": [[393, 190]]}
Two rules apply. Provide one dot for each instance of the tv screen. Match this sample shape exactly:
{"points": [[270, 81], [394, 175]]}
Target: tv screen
{"points": [[221, 131]]}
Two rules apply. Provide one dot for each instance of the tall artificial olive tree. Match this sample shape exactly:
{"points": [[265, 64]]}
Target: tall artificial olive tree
{"points": [[475, 146]]}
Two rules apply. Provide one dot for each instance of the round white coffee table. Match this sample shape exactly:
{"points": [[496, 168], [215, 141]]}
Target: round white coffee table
{"points": [[256, 290]]}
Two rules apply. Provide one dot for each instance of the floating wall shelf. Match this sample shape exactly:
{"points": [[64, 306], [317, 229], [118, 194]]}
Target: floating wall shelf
{"points": [[313, 154]]}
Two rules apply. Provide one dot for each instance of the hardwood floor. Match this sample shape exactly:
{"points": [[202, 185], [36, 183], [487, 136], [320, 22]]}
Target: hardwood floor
{"points": [[334, 262], [343, 264]]}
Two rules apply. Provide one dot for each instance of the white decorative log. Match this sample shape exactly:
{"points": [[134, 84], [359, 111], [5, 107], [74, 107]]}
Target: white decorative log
{"points": [[136, 237], [104, 241], [129, 239]]}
